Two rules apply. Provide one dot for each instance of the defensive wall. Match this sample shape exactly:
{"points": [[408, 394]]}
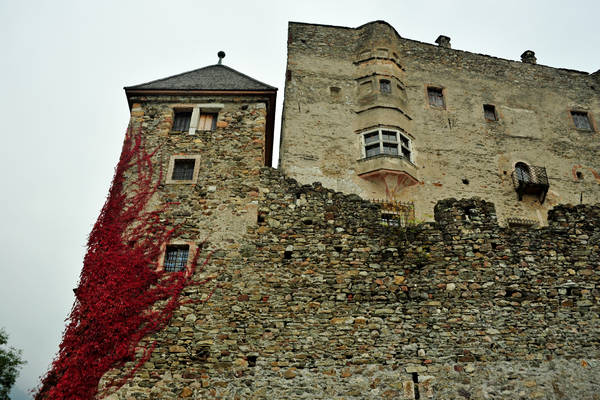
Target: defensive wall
{"points": [[318, 299]]}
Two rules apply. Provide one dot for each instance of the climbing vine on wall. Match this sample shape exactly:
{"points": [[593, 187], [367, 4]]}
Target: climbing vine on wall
{"points": [[122, 296]]}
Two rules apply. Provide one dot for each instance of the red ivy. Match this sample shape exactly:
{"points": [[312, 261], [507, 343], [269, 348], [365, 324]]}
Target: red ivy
{"points": [[121, 297]]}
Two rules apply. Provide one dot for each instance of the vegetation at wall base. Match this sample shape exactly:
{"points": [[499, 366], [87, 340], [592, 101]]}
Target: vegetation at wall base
{"points": [[122, 296]]}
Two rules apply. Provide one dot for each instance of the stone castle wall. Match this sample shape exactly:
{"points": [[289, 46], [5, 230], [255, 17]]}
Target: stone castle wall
{"points": [[318, 299], [332, 96]]}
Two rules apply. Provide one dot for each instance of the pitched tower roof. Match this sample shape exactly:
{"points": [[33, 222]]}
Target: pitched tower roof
{"points": [[213, 77]]}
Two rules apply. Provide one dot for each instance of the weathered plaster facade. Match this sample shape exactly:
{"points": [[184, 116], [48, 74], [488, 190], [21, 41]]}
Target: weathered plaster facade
{"points": [[333, 95]]}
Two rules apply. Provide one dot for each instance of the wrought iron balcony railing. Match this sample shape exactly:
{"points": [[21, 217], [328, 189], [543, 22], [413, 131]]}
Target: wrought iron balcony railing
{"points": [[396, 213], [529, 179]]}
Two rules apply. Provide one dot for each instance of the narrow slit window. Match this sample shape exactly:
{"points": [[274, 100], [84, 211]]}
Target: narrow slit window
{"points": [[183, 170], [436, 96], [489, 112], [176, 257], [581, 120], [181, 122]]}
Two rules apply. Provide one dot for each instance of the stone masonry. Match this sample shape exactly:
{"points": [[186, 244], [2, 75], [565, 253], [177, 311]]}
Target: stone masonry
{"points": [[318, 299], [315, 297]]}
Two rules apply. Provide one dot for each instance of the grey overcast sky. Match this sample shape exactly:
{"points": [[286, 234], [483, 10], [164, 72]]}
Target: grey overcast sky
{"points": [[64, 113]]}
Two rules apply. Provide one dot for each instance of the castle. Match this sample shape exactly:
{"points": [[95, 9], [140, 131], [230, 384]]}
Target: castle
{"points": [[306, 289]]}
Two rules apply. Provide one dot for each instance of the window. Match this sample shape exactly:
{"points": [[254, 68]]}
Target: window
{"points": [[181, 122], [387, 142], [522, 172], [176, 257], [581, 120], [183, 170], [489, 112], [385, 86], [195, 117], [207, 122], [436, 96]]}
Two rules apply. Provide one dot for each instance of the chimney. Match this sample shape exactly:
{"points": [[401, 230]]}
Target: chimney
{"points": [[443, 41], [528, 57]]}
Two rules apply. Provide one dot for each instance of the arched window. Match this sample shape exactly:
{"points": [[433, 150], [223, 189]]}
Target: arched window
{"points": [[522, 171]]}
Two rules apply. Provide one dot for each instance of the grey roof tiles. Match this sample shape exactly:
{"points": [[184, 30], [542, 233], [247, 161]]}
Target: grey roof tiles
{"points": [[212, 77]]}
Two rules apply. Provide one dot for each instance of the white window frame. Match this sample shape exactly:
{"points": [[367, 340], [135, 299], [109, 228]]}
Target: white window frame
{"points": [[398, 142]]}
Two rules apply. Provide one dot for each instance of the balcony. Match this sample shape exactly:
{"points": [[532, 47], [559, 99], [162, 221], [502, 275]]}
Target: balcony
{"points": [[531, 180], [382, 165]]}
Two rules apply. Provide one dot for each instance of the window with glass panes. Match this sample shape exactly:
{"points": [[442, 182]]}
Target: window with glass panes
{"points": [[386, 142], [183, 170], [581, 120], [176, 257], [436, 96]]}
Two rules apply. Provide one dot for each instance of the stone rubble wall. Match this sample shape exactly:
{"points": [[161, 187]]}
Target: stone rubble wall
{"points": [[318, 299]]}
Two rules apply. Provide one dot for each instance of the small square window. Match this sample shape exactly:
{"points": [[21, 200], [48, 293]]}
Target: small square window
{"points": [[181, 122], [581, 120], [436, 96], [385, 86], [489, 112], [176, 257], [183, 169], [207, 122]]}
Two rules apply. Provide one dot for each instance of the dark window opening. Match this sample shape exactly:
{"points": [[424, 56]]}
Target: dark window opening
{"points": [[385, 86], [465, 181], [182, 119], [287, 255], [436, 96], [579, 175], [252, 361], [183, 170], [489, 112], [261, 218], [581, 120], [415, 379], [389, 219], [176, 257]]}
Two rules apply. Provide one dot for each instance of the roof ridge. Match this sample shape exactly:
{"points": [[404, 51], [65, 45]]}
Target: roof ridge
{"points": [[169, 77], [245, 76], [213, 67]]}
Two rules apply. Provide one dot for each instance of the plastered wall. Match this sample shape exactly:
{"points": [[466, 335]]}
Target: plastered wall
{"points": [[332, 95]]}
